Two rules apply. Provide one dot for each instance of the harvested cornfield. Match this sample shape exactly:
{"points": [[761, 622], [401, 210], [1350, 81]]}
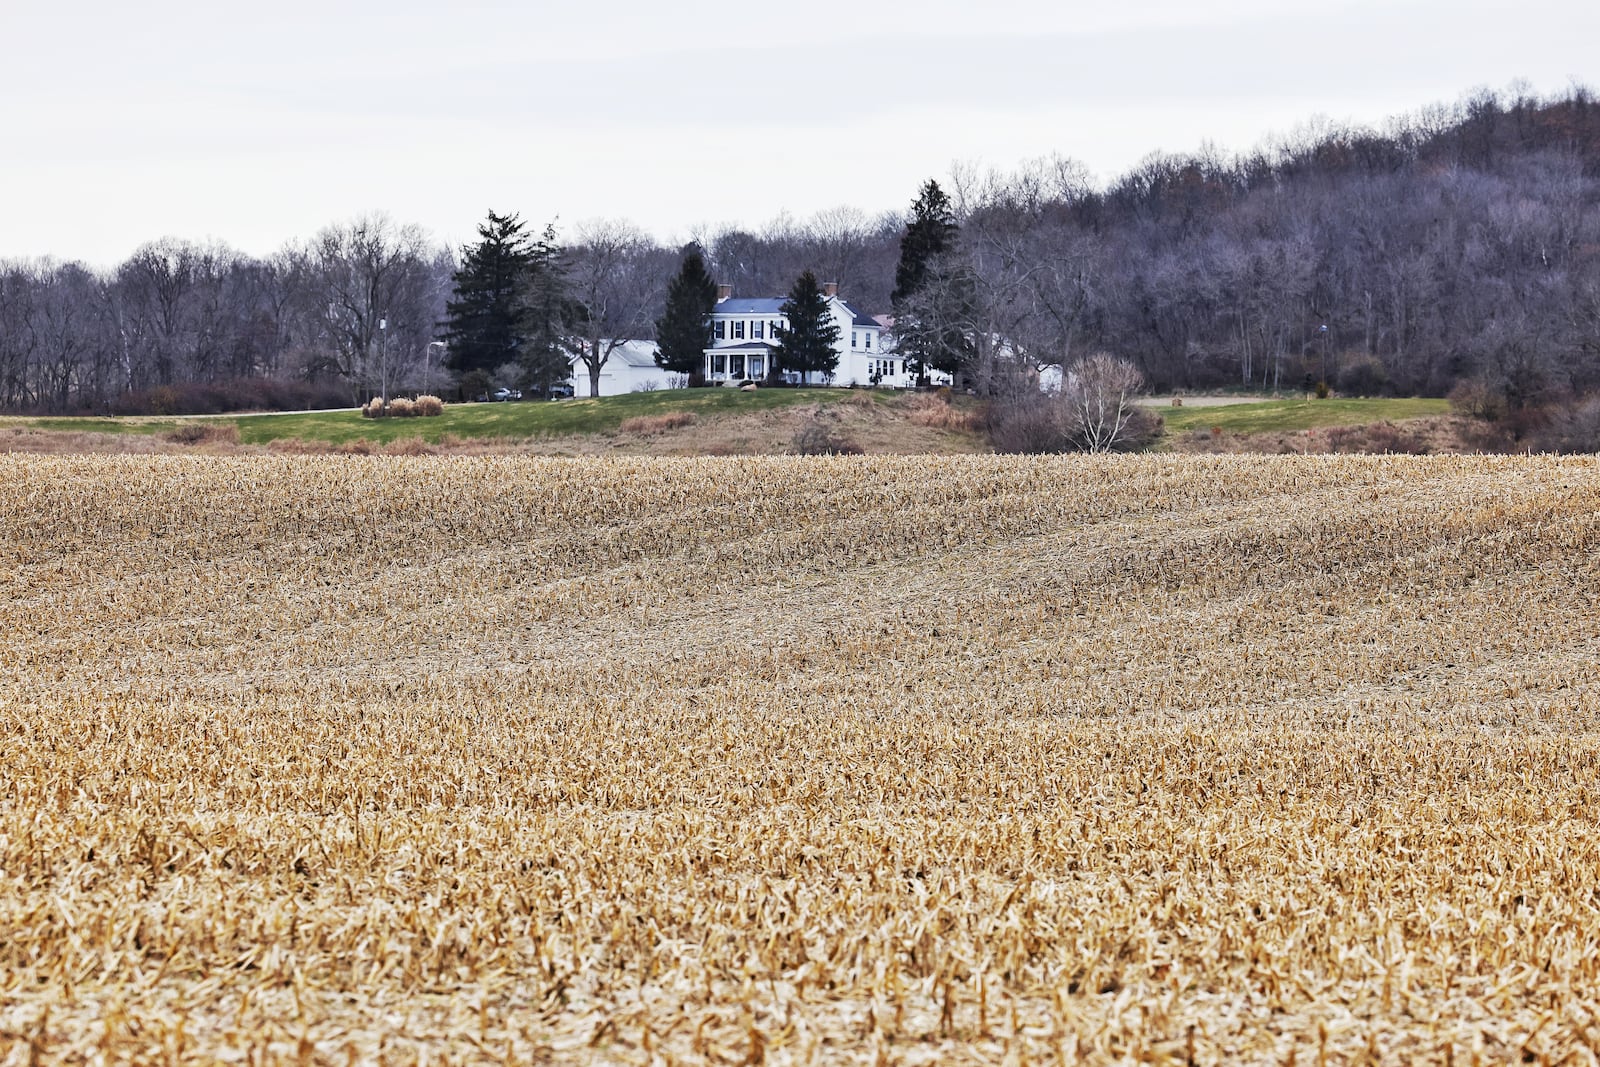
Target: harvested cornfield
{"points": [[846, 760]]}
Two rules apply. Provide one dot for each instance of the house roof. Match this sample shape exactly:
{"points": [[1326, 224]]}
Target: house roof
{"points": [[750, 305], [639, 354], [773, 305], [636, 353], [858, 319]]}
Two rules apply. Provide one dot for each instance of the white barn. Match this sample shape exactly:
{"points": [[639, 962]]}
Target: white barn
{"points": [[631, 368], [742, 342]]}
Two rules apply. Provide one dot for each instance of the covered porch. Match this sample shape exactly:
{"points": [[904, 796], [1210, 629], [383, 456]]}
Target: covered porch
{"points": [[740, 361]]}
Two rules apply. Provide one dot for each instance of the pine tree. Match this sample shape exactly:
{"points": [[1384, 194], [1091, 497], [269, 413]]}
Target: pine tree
{"points": [[485, 320], [931, 233], [550, 317], [809, 344], [683, 333]]}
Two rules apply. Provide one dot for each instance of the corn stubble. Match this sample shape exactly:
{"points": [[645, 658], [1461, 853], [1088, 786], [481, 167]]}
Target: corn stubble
{"points": [[871, 760]]}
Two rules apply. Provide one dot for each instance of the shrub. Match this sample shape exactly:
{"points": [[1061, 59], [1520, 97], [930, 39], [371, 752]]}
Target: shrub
{"points": [[429, 405], [1030, 425], [1572, 427], [243, 394], [1364, 376], [936, 411], [475, 383], [670, 420], [189, 433], [401, 408], [1036, 426], [820, 436], [373, 409], [203, 433], [1477, 399]]}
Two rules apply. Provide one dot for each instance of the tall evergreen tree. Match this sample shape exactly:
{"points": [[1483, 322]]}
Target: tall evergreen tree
{"points": [[809, 344], [683, 333], [485, 320], [931, 233], [550, 316]]}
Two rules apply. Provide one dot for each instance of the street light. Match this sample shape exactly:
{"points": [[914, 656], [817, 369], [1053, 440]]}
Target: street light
{"points": [[383, 359], [427, 362], [1323, 330]]}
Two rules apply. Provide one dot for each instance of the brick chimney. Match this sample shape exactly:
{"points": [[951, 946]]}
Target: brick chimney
{"points": [[830, 288], [723, 292]]}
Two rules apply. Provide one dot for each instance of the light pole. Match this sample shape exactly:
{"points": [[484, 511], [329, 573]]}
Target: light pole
{"points": [[383, 359], [1323, 330], [427, 362]]}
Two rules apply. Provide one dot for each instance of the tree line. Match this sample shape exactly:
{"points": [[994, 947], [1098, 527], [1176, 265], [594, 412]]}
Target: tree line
{"points": [[1460, 244]]}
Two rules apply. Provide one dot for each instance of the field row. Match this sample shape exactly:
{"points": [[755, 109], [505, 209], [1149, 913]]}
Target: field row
{"points": [[858, 760]]}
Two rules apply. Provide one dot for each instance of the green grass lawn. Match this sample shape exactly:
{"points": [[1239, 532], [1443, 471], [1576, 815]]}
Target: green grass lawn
{"points": [[522, 419], [92, 424], [534, 418], [1270, 416], [514, 420]]}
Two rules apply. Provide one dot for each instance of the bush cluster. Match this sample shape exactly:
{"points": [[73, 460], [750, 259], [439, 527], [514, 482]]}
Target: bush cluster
{"points": [[401, 407], [820, 435], [243, 394], [1039, 424], [203, 433]]}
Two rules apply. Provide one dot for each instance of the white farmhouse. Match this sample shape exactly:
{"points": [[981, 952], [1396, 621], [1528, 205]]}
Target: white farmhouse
{"points": [[743, 339], [631, 368]]}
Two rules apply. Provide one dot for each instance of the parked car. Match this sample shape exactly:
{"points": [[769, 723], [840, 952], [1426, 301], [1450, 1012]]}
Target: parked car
{"points": [[560, 391], [506, 394]]}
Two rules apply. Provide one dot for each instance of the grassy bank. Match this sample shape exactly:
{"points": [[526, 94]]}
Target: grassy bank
{"points": [[525, 419], [1277, 416]]}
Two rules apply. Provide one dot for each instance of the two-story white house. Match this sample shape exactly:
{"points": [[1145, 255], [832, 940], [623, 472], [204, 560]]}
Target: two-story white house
{"points": [[743, 340]]}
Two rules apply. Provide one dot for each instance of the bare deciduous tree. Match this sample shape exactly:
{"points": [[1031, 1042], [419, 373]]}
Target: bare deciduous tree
{"points": [[1097, 401], [369, 286], [616, 285]]}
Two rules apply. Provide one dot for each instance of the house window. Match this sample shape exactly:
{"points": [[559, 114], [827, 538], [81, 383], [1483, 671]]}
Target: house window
{"points": [[736, 365], [755, 329], [721, 329], [869, 342], [719, 364], [738, 330], [757, 366], [855, 339], [777, 326]]}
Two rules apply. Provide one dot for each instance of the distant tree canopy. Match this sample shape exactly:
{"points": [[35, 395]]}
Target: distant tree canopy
{"points": [[1461, 243]]}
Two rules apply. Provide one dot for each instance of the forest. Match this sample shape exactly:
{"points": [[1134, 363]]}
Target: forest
{"points": [[1455, 247]]}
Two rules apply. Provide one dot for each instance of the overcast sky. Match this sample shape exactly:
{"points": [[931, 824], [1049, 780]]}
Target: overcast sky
{"points": [[123, 122]]}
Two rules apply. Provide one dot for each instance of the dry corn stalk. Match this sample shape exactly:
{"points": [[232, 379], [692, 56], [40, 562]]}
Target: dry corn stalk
{"points": [[923, 760]]}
